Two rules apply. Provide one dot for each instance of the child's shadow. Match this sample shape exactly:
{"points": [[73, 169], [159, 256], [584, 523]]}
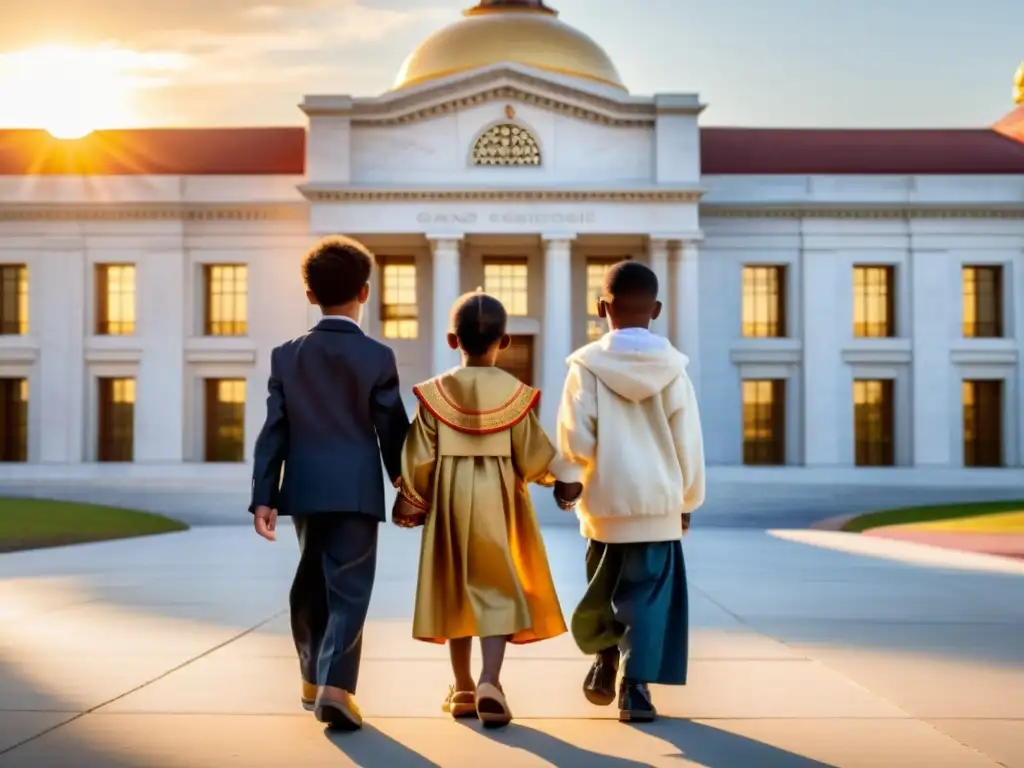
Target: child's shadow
{"points": [[553, 750], [716, 748], [370, 747]]}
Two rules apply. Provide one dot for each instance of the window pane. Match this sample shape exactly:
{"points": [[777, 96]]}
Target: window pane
{"points": [[115, 299], [399, 309], [764, 301], [873, 302], [982, 301], [116, 419], [873, 422], [227, 298], [764, 423], [508, 282], [13, 299], [983, 423], [14, 420], [225, 419], [596, 271]]}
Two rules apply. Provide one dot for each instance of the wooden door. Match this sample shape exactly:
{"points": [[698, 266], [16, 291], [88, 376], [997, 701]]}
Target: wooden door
{"points": [[518, 359]]}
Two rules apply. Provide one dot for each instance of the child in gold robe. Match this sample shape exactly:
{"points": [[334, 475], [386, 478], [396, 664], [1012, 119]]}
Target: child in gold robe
{"points": [[473, 447]]}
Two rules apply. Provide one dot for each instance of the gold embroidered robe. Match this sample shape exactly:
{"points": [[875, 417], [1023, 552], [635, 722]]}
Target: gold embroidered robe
{"points": [[473, 447]]}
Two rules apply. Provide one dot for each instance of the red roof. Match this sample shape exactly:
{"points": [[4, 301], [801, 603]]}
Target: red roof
{"points": [[270, 151], [881, 151]]}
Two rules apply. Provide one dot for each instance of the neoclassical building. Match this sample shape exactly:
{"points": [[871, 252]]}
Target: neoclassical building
{"points": [[846, 297]]}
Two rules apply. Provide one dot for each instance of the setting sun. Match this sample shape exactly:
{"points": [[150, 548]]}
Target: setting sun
{"points": [[69, 92]]}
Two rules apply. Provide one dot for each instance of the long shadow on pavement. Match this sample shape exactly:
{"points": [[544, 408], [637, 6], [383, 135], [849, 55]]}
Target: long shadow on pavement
{"points": [[712, 747], [554, 750], [372, 747]]}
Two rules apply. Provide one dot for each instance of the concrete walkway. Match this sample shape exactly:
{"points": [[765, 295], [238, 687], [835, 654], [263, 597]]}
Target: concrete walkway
{"points": [[173, 651]]}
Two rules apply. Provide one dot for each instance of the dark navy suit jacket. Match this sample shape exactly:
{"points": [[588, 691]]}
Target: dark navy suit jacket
{"points": [[333, 412]]}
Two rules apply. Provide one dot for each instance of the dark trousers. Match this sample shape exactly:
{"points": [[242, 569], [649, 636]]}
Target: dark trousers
{"points": [[331, 594], [636, 606]]}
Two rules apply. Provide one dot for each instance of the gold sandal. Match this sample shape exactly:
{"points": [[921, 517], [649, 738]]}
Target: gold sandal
{"points": [[491, 707], [459, 704]]}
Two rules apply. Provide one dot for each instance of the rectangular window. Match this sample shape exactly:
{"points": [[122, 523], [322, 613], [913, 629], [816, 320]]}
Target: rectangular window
{"points": [[508, 282], [764, 301], [399, 313], [983, 302], [874, 301], [225, 420], [983, 423], [115, 299], [764, 421], [13, 299], [14, 419], [116, 419], [596, 271], [226, 300], [873, 422]]}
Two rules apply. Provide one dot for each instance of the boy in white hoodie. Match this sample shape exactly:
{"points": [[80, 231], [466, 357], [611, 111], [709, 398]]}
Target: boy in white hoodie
{"points": [[629, 425]]}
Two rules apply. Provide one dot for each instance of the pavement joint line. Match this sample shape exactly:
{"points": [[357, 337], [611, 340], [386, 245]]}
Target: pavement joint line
{"points": [[139, 687]]}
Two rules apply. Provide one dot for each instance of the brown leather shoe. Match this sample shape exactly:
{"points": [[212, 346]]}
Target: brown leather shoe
{"points": [[308, 696], [337, 708]]}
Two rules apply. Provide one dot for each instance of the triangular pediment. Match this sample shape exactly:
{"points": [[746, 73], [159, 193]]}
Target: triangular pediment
{"points": [[506, 82], [1012, 126]]}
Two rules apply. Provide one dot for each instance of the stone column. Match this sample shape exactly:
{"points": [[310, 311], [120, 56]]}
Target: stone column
{"points": [[659, 263], [685, 306], [163, 327], [557, 341], [446, 289]]}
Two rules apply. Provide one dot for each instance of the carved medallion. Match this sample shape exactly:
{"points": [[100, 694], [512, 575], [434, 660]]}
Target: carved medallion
{"points": [[506, 144]]}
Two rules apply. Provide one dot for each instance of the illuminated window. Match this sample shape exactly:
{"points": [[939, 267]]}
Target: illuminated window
{"points": [[874, 302], [518, 359], [873, 422], [14, 420], [764, 301], [983, 423], [596, 271], [764, 421], [398, 309], [116, 419], [227, 298], [13, 299], [115, 299], [507, 281], [983, 301], [225, 419]]}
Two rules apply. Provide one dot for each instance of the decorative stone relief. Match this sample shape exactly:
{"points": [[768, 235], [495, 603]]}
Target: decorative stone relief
{"points": [[506, 144]]}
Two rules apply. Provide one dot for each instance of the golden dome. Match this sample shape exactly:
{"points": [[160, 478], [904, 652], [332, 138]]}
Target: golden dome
{"points": [[519, 31], [1018, 85]]}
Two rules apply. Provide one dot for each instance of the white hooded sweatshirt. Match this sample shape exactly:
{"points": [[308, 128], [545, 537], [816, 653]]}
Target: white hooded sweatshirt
{"points": [[629, 429]]}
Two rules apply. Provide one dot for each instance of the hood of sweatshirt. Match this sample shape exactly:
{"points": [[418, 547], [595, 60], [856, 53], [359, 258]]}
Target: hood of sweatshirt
{"points": [[635, 364]]}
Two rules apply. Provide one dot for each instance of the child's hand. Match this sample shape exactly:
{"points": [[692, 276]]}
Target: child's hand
{"points": [[265, 522], [568, 494], [686, 522]]}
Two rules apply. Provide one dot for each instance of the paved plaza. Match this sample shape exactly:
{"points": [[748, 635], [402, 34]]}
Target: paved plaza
{"points": [[808, 649]]}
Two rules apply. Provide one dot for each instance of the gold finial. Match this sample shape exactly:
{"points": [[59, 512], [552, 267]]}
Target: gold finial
{"points": [[488, 6], [510, 112], [1018, 85]]}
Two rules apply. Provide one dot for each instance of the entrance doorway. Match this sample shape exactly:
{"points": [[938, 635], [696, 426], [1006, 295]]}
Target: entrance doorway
{"points": [[518, 359]]}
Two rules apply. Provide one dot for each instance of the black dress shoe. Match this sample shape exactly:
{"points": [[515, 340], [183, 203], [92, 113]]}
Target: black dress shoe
{"points": [[599, 685], [635, 702]]}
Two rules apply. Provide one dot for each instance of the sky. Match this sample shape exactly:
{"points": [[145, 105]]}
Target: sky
{"points": [[800, 63]]}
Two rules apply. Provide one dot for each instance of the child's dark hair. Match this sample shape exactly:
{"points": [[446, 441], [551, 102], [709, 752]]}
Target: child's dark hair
{"points": [[336, 269], [478, 321], [631, 282]]}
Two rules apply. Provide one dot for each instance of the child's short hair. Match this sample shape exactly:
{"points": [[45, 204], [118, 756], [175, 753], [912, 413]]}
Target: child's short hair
{"points": [[630, 280], [478, 321], [336, 269]]}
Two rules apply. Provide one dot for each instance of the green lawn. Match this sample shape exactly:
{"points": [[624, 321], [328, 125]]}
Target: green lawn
{"points": [[36, 523], [905, 515]]}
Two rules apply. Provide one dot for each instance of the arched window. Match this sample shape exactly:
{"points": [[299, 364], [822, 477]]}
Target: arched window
{"points": [[506, 144]]}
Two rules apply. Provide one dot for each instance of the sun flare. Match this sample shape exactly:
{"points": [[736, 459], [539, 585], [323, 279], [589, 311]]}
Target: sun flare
{"points": [[69, 92]]}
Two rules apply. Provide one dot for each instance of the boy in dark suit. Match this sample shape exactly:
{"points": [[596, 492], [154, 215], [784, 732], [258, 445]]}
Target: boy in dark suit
{"points": [[333, 411]]}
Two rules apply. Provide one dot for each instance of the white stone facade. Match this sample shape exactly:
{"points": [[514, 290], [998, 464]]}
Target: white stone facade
{"points": [[619, 177]]}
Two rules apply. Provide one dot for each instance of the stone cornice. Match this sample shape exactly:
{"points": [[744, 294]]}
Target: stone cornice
{"points": [[323, 195], [155, 212], [891, 212]]}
